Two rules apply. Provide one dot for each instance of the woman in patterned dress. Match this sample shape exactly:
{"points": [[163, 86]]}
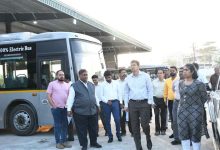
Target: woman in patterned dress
{"points": [[190, 111]]}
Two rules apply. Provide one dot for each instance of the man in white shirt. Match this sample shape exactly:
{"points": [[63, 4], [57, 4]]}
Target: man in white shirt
{"points": [[81, 103], [71, 124], [125, 116], [95, 80], [110, 96], [160, 108]]}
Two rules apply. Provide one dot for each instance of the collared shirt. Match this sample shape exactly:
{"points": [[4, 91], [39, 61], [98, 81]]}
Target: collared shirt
{"points": [[168, 89], [176, 89], [121, 84], [84, 83], [110, 91], [98, 93], [71, 98], [59, 91], [138, 88], [158, 87]]}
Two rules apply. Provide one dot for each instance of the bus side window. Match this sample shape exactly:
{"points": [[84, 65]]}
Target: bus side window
{"points": [[18, 71], [48, 72], [2, 82]]}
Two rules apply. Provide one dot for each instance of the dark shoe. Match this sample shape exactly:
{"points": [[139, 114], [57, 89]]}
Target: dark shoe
{"points": [[71, 139], [106, 134], [176, 142], [149, 144], [110, 140], [123, 134], [96, 145], [67, 145], [84, 148], [157, 133], [163, 132], [140, 148], [171, 136], [119, 139]]}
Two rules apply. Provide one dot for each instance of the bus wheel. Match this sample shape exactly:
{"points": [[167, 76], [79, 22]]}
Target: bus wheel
{"points": [[23, 120]]}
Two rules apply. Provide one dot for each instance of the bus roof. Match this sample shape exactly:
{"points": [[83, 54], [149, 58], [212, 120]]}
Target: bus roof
{"points": [[21, 37]]}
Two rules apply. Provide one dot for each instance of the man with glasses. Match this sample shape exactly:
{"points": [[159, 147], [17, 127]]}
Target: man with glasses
{"points": [[81, 103]]}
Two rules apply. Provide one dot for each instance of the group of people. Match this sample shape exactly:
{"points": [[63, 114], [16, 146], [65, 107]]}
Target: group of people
{"points": [[130, 100]]}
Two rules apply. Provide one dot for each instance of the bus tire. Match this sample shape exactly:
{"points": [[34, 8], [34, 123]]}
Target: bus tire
{"points": [[23, 120]]}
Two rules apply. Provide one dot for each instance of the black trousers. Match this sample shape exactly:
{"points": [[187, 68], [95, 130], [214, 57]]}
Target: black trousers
{"points": [[83, 124], [170, 108], [70, 130], [139, 112], [160, 112], [123, 123]]}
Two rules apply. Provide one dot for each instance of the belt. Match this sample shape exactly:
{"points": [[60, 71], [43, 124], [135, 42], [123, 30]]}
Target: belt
{"points": [[112, 100], [138, 100]]}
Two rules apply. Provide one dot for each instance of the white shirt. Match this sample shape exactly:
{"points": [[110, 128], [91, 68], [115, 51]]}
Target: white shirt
{"points": [[158, 87], [138, 88], [98, 93], [110, 91], [70, 99], [121, 84]]}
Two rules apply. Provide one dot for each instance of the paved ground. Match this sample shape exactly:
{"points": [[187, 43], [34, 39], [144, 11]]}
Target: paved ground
{"points": [[45, 141]]}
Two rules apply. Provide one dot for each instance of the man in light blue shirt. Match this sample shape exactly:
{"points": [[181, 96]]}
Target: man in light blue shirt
{"points": [[138, 100]]}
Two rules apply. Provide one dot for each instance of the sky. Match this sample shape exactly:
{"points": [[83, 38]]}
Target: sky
{"points": [[170, 27]]}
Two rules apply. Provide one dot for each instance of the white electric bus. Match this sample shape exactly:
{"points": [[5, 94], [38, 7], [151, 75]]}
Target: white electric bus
{"points": [[28, 62]]}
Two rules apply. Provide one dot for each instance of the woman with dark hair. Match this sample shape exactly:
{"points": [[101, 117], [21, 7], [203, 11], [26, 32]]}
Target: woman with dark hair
{"points": [[190, 111]]}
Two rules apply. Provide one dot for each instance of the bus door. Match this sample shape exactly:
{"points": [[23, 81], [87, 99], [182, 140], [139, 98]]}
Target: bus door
{"points": [[48, 66]]}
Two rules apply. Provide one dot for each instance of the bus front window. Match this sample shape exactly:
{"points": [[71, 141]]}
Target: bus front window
{"points": [[89, 56]]}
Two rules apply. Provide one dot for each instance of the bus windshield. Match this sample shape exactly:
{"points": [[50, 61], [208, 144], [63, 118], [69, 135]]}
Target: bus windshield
{"points": [[89, 56]]}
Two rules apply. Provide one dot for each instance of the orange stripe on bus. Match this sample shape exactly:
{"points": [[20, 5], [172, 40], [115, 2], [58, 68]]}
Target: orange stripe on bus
{"points": [[22, 91]]}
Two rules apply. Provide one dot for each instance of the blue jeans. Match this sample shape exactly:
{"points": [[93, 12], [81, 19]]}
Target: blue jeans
{"points": [[60, 124], [115, 110], [175, 124]]}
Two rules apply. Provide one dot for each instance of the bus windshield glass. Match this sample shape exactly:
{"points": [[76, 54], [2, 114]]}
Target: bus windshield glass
{"points": [[89, 56]]}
